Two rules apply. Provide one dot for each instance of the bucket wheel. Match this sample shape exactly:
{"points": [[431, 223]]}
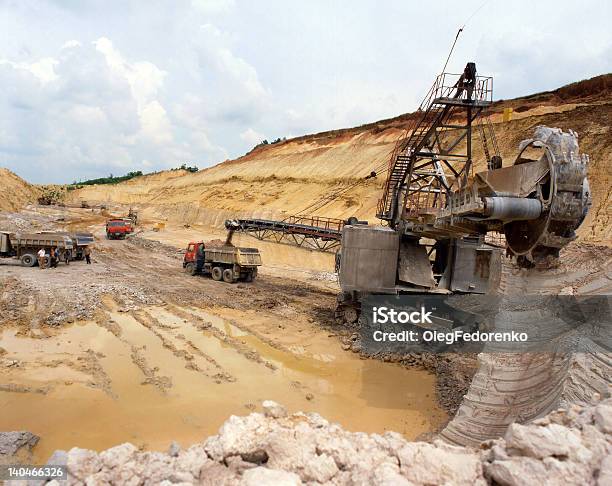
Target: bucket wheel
{"points": [[565, 196]]}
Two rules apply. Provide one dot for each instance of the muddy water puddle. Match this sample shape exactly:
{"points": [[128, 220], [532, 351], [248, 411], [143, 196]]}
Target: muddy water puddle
{"points": [[163, 374]]}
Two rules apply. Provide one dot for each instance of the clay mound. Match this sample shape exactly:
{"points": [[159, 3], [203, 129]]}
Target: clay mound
{"points": [[217, 243], [15, 192]]}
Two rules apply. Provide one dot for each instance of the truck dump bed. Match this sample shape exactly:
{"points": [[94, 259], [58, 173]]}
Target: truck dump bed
{"points": [[234, 255], [33, 240]]}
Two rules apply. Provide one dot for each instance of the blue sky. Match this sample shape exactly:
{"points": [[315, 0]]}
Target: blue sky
{"points": [[92, 87]]}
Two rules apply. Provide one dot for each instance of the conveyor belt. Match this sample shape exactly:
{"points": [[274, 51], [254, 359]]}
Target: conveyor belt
{"points": [[310, 231]]}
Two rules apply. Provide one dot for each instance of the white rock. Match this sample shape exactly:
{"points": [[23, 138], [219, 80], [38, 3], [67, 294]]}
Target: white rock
{"points": [[440, 463], [273, 409], [605, 472], [118, 455], [545, 441], [603, 418], [174, 449], [518, 471], [262, 476], [83, 463]]}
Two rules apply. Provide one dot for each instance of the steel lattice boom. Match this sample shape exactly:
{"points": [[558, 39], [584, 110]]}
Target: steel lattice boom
{"points": [[313, 232]]}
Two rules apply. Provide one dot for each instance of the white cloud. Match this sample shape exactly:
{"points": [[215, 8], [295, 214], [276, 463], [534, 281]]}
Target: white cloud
{"points": [[213, 6], [145, 80], [251, 137], [91, 87], [87, 115], [238, 96], [71, 44], [155, 124], [42, 69], [94, 111]]}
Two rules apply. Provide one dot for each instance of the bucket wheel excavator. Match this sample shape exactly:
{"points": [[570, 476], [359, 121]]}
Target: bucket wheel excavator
{"points": [[441, 216]]}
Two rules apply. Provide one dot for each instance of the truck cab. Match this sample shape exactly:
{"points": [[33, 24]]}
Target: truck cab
{"points": [[118, 228], [191, 252]]}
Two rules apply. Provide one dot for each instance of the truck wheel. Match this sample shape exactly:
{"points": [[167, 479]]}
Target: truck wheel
{"points": [[190, 269], [28, 260], [217, 273], [228, 275], [248, 277]]}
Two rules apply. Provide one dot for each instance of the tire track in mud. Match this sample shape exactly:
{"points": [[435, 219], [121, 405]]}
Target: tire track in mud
{"points": [[90, 364], [155, 326], [205, 326], [162, 383]]}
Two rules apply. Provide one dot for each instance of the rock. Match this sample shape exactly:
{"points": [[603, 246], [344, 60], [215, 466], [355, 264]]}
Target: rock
{"points": [[83, 463], [261, 476], [174, 449], [273, 409], [117, 456], [545, 441], [605, 473], [568, 446], [603, 417], [518, 471], [320, 468], [12, 442], [440, 463], [58, 458]]}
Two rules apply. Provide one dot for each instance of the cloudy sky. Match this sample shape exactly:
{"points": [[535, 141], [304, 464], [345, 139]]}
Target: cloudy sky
{"points": [[93, 87]]}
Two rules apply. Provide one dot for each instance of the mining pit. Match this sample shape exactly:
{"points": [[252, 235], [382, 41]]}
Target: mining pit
{"points": [[132, 349]]}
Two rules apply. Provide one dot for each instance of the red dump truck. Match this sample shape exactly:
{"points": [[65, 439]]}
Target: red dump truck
{"points": [[118, 228], [228, 263]]}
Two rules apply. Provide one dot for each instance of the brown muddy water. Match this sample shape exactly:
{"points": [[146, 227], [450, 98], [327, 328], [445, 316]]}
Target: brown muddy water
{"points": [[163, 374]]}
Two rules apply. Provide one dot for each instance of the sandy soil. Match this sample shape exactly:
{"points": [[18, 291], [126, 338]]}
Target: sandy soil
{"points": [[14, 191]]}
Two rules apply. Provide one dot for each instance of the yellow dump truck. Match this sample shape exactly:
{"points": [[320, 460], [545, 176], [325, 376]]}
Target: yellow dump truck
{"points": [[228, 263]]}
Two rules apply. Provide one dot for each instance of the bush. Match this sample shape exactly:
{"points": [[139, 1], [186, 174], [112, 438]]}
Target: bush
{"points": [[105, 180]]}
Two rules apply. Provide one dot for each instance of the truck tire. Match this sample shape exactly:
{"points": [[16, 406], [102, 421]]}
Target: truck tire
{"points": [[190, 269], [217, 273], [28, 260], [228, 275], [248, 277]]}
